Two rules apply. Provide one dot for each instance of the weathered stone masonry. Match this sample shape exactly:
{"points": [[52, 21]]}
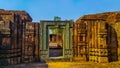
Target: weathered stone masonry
{"points": [[95, 37]]}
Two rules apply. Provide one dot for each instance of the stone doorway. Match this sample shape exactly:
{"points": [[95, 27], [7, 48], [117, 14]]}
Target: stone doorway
{"points": [[64, 52], [55, 42]]}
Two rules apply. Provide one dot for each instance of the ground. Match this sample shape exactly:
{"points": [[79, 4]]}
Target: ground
{"points": [[66, 65]]}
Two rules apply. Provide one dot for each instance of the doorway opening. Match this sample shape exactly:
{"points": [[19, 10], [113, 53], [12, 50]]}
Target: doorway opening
{"points": [[55, 42]]}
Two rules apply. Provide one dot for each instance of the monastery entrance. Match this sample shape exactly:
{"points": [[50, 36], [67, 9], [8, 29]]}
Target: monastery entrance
{"points": [[56, 40]]}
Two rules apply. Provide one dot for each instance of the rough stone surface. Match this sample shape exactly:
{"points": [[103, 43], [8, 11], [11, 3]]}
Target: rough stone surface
{"points": [[101, 31], [110, 17], [11, 29], [9, 15]]}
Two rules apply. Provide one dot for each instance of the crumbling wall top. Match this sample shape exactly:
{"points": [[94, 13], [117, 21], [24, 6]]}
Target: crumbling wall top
{"points": [[110, 17], [8, 15]]}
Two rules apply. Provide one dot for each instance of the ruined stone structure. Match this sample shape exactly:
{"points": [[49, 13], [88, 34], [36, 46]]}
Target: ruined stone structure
{"points": [[13, 33], [30, 44], [96, 37], [45, 49]]}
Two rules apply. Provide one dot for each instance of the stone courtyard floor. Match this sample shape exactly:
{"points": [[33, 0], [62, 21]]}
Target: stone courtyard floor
{"points": [[66, 65]]}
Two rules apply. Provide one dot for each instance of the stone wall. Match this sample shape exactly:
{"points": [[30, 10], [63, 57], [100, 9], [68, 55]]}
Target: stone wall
{"points": [[112, 40], [11, 34]]}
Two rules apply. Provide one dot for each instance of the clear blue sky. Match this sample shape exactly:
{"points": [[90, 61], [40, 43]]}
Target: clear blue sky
{"points": [[66, 9]]}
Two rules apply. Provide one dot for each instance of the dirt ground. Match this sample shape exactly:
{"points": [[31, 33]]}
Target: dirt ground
{"points": [[66, 65]]}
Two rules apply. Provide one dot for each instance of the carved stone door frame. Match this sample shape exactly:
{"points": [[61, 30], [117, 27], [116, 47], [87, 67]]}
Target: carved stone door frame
{"points": [[67, 40]]}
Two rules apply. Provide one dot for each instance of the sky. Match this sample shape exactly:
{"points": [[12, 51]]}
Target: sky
{"points": [[66, 9]]}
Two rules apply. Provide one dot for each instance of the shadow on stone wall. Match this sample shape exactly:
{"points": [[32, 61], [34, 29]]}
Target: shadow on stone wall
{"points": [[112, 43]]}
